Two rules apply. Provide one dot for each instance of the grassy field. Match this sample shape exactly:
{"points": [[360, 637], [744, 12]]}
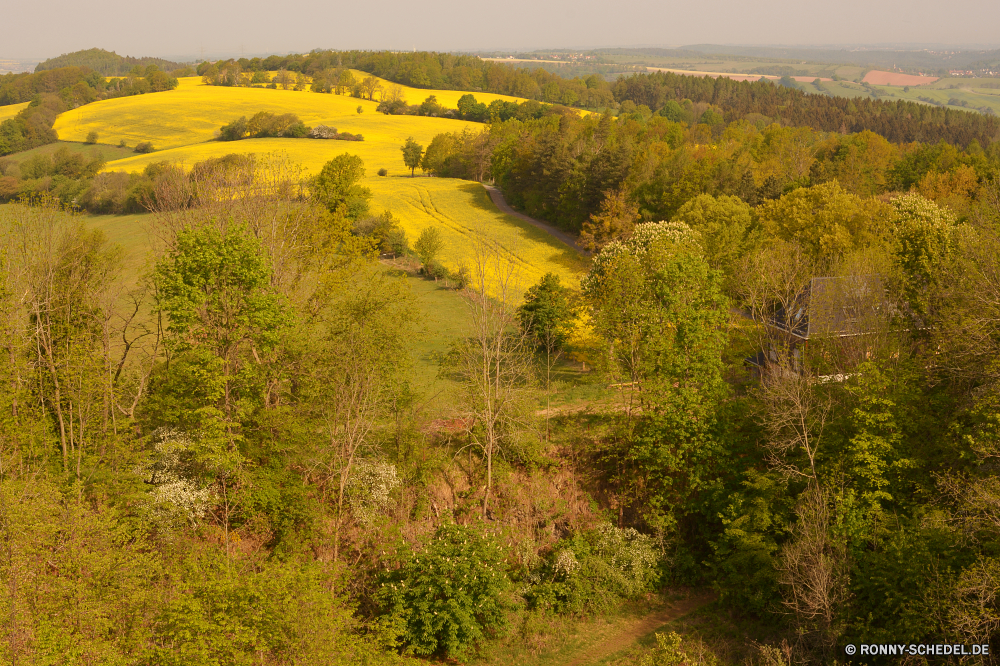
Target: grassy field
{"points": [[11, 110], [941, 92], [109, 153], [738, 66]]}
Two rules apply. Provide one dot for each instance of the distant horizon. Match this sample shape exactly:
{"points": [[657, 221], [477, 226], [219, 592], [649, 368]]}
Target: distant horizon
{"points": [[226, 54], [188, 28]]}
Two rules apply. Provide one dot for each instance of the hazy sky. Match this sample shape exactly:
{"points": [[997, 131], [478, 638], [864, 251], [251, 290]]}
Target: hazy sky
{"points": [[185, 27]]}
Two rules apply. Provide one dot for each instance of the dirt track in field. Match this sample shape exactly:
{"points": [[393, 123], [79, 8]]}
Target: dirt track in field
{"points": [[641, 627]]}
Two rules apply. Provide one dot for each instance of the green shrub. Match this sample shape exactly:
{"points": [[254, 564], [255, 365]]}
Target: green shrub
{"points": [[273, 612], [383, 172], [591, 571], [91, 138], [144, 147], [450, 596]]}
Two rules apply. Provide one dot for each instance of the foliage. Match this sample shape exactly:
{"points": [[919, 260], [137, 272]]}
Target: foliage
{"points": [[370, 489], [593, 570], [661, 317], [724, 224], [450, 595], [285, 611], [78, 582], [412, 153], [546, 313], [925, 235], [615, 221], [337, 186], [104, 62], [824, 219], [385, 231], [428, 246], [264, 124]]}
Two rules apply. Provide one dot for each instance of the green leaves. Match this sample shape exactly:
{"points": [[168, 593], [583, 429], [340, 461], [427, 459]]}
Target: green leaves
{"points": [[336, 185], [546, 313], [450, 596], [215, 288]]}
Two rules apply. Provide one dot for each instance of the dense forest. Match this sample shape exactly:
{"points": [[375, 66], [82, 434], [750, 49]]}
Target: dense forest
{"points": [[106, 63], [230, 457], [562, 167]]}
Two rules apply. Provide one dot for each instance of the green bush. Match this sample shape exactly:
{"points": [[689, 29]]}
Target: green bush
{"points": [[273, 612], [591, 571], [144, 147], [383, 172], [91, 138], [450, 596]]}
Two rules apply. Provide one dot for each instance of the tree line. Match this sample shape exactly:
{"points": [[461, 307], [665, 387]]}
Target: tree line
{"points": [[661, 92], [82, 85], [564, 168], [898, 121], [265, 124]]}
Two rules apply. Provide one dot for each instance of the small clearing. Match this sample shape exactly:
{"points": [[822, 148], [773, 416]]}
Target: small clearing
{"points": [[640, 627]]}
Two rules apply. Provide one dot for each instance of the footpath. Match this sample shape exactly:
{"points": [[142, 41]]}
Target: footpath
{"points": [[497, 196], [640, 627]]}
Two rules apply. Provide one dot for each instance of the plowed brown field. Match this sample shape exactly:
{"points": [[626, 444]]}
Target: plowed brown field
{"points": [[879, 78]]}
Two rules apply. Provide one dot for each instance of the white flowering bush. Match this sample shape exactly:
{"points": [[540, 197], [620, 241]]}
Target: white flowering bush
{"points": [[565, 564], [370, 489], [631, 557], [591, 570], [176, 495], [639, 243]]}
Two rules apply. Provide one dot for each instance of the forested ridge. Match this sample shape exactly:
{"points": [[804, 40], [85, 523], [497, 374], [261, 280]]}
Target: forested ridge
{"points": [[106, 63]]}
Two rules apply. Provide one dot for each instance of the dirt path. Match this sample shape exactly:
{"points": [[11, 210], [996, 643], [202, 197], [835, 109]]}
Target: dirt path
{"points": [[641, 627], [497, 196]]}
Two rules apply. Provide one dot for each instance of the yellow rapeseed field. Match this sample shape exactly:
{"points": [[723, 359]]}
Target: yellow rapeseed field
{"points": [[182, 122], [11, 110], [383, 137], [464, 213], [194, 112]]}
